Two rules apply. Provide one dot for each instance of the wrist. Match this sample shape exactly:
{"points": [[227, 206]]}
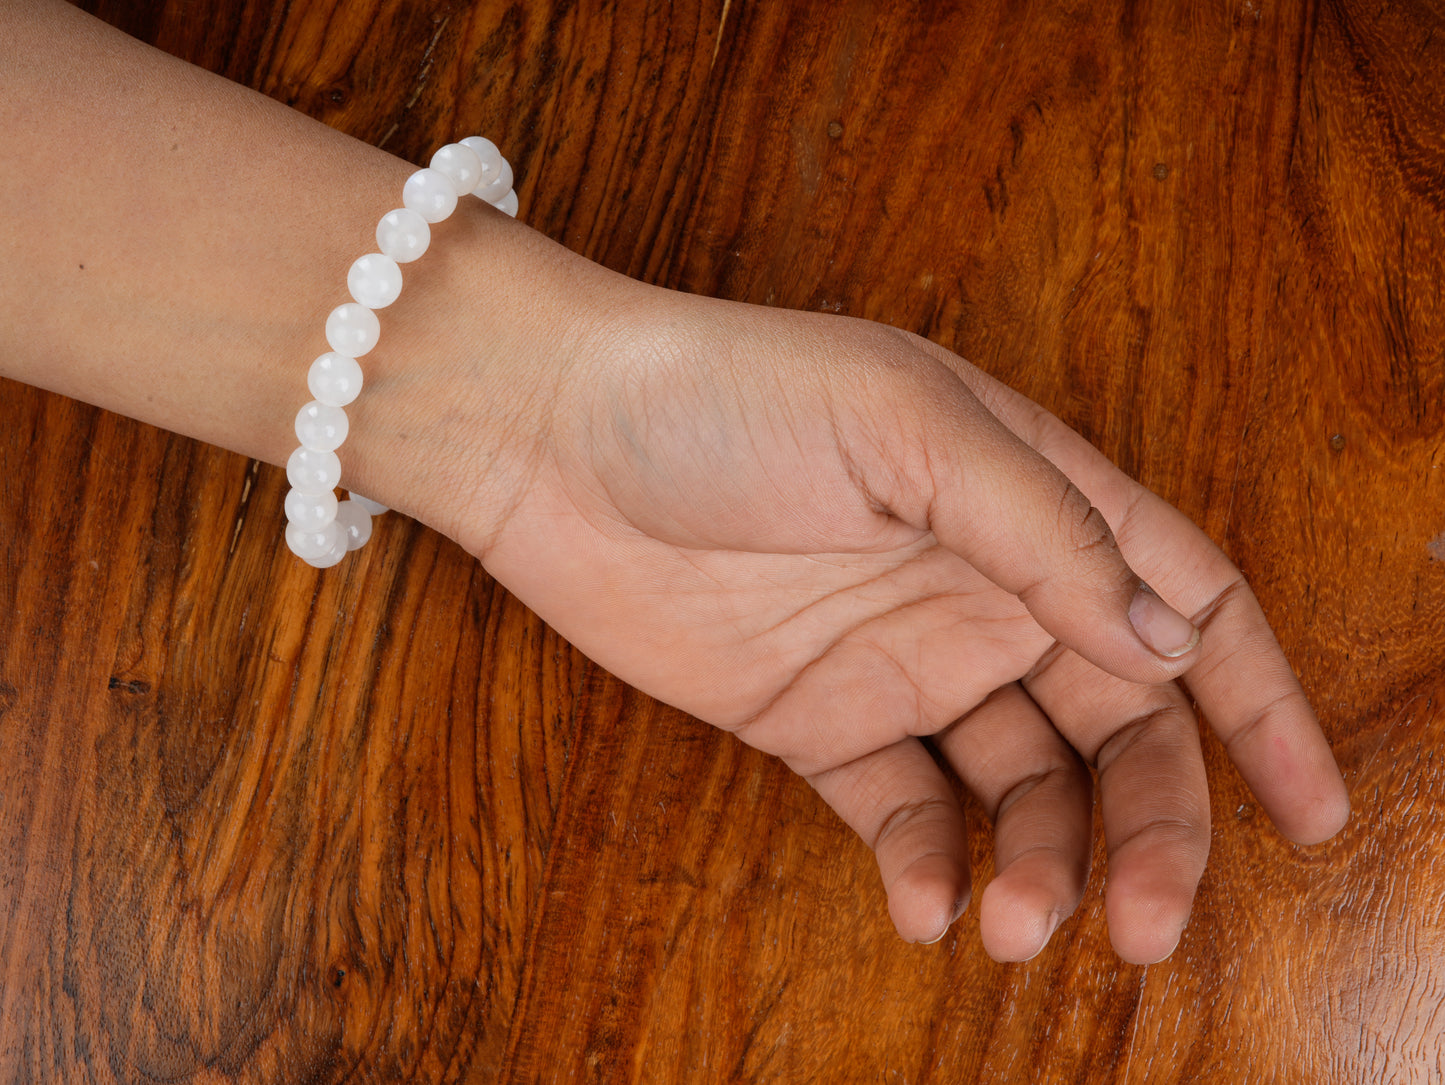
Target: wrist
{"points": [[460, 394]]}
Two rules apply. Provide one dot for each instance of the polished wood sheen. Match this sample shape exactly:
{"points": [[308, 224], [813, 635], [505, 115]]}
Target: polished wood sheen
{"points": [[379, 825]]}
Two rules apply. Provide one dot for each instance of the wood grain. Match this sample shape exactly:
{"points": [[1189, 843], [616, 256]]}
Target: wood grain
{"points": [[383, 825]]}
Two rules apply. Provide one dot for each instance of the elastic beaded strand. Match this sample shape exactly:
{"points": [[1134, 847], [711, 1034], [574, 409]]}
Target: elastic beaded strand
{"points": [[319, 528]]}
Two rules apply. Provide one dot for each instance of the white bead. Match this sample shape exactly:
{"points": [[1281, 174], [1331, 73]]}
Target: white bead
{"points": [[352, 329], [355, 524], [403, 235], [497, 188], [374, 280], [459, 164], [312, 471], [430, 194], [321, 426], [312, 544], [376, 508], [334, 379], [311, 512], [320, 529], [491, 157], [332, 556]]}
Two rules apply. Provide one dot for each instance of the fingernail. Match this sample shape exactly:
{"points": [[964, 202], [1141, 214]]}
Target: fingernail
{"points": [[1170, 951], [1055, 918], [1161, 626], [959, 907], [1044, 933]]}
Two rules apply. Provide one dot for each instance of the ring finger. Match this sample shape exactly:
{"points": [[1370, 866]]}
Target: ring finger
{"points": [[1039, 794]]}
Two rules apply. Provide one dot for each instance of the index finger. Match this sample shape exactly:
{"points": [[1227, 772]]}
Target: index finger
{"points": [[1251, 697], [1240, 678]]}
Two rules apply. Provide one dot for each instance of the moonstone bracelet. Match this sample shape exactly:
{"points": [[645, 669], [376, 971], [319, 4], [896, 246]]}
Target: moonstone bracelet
{"points": [[320, 529]]}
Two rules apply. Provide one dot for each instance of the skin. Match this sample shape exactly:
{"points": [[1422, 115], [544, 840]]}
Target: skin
{"points": [[832, 538]]}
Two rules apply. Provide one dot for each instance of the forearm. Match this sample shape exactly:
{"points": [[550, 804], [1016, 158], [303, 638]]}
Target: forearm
{"points": [[178, 241]]}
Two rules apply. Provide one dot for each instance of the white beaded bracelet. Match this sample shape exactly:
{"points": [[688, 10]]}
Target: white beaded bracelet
{"points": [[320, 529]]}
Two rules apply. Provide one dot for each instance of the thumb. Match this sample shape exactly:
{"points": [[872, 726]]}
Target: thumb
{"points": [[990, 498]]}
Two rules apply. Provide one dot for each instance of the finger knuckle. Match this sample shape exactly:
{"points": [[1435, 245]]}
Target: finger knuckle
{"points": [[1152, 726], [1083, 526], [908, 816]]}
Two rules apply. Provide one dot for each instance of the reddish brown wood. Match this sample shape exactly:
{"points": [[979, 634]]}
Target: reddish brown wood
{"points": [[395, 830]]}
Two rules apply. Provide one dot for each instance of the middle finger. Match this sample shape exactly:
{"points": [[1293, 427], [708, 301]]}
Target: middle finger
{"points": [[1144, 743]]}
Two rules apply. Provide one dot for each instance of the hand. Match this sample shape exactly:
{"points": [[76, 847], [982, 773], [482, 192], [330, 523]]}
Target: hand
{"points": [[836, 540]]}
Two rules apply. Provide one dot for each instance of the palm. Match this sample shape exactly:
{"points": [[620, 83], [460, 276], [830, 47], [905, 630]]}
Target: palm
{"points": [[739, 568], [818, 658]]}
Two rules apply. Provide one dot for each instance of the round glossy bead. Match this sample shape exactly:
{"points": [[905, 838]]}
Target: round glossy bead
{"points": [[312, 544], [430, 194], [352, 329], [459, 164], [403, 235], [312, 471], [491, 158], [376, 508], [321, 529], [332, 556], [374, 280], [334, 379], [355, 524], [321, 426], [495, 190], [311, 512]]}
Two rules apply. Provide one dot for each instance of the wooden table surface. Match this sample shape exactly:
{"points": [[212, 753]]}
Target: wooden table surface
{"points": [[264, 824]]}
